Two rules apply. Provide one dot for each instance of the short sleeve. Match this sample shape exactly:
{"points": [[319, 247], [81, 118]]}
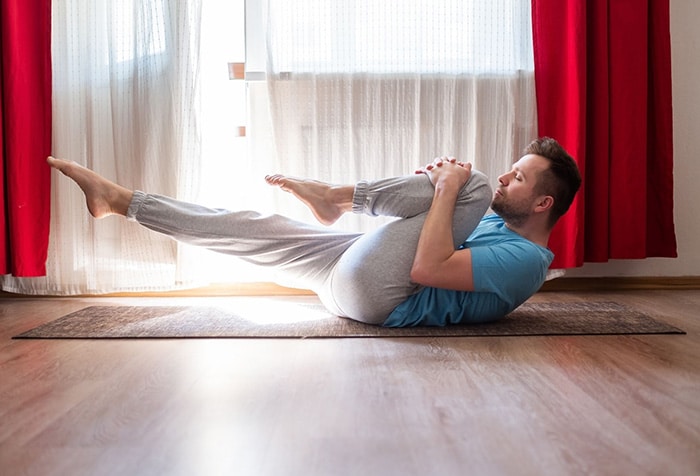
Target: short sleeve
{"points": [[513, 270]]}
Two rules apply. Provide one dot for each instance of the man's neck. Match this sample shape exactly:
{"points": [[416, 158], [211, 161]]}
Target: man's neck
{"points": [[534, 232]]}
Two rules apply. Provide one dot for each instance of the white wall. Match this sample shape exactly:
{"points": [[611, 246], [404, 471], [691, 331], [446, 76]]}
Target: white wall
{"points": [[685, 51]]}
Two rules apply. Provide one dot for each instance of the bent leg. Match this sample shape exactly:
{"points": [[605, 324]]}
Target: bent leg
{"points": [[402, 197], [373, 275]]}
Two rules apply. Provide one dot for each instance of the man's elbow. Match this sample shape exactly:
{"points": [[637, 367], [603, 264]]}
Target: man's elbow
{"points": [[445, 275], [420, 275]]}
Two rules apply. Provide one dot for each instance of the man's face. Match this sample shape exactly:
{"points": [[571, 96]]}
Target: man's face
{"points": [[515, 198]]}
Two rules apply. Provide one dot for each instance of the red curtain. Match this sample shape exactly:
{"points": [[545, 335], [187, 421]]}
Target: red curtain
{"points": [[603, 81], [25, 135]]}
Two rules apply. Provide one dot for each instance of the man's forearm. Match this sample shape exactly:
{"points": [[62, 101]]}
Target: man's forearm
{"points": [[435, 244], [437, 263]]}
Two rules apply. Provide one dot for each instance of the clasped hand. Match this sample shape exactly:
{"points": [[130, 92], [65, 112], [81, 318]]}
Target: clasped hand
{"points": [[447, 169]]}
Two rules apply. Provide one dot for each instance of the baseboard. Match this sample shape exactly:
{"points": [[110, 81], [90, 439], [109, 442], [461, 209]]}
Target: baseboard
{"points": [[226, 289], [622, 283], [556, 285], [212, 290]]}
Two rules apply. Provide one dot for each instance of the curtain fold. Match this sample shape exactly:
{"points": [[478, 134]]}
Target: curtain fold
{"points": [[603, 81], [25, 136], [125, 104]]}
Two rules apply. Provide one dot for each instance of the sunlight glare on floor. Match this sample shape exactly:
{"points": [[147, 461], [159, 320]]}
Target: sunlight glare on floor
{"points": [[277, 311]]}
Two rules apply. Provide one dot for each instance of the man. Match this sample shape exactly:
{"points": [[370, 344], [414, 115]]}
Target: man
{"points": [[441, 262]]}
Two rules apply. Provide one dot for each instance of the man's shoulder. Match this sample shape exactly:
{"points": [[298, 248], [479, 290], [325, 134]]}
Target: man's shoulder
{"points": [[495, 242]]}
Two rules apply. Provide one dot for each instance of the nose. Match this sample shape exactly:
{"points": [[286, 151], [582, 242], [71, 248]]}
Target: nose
{"points": [[504, 179]]}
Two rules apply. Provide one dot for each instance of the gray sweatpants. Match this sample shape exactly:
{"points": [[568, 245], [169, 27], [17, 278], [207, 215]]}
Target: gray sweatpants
{"points": [[358, 275]]}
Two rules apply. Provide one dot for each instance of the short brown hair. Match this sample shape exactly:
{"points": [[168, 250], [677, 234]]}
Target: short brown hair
{"points": [[561, 180]]}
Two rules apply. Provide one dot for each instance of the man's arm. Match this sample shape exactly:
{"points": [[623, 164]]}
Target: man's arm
{"points": [[437, 263]]}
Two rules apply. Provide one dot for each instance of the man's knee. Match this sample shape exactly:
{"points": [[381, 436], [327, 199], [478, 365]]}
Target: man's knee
{"points": [[477, 190]]}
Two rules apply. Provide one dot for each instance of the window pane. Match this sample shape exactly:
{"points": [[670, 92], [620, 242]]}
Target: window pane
{"points": [[400, 36], [138, 32]]}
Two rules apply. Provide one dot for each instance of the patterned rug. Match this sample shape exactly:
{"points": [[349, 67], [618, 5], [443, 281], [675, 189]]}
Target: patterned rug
{"points": [[293, 320]]}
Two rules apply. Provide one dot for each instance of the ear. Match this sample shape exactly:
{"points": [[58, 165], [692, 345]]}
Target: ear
{"points": [[544, 203]]}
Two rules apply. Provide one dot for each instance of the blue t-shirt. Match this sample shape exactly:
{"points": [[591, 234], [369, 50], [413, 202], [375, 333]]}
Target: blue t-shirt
{"points": [[507, 270]]}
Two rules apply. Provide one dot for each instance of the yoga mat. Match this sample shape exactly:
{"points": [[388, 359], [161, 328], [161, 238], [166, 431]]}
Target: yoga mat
{"points": [[292, 320]]}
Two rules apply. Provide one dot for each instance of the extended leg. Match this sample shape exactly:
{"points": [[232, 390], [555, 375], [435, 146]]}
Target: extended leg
{"points": [[303, 253]]}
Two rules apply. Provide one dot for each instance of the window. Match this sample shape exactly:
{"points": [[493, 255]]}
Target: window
{"points": [[400, 36]]}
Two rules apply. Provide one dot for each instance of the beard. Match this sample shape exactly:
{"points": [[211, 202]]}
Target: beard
{"points": [[514, 214]]}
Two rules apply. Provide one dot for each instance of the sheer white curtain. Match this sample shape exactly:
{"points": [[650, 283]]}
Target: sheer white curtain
{"points": [[355, 89], [125, 95], [367, 88]]}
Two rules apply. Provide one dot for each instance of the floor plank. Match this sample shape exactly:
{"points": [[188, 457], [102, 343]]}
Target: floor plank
{"points": [[445, 406]]}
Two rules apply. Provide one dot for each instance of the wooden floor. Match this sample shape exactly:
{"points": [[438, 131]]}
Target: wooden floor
{"points": [[618, 405]]}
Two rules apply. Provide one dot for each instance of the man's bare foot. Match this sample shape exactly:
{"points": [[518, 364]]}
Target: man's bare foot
{"points": [[102, 196], [327, 202]]}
